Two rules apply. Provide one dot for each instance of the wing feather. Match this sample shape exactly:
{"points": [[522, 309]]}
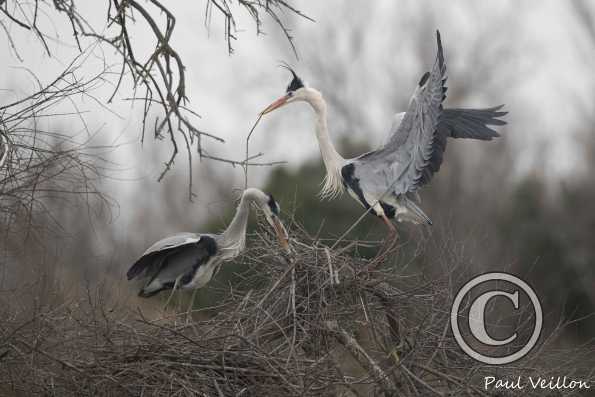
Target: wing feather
{"points": [[185, 260], [400, 166], [471, 123], [159, 249]]}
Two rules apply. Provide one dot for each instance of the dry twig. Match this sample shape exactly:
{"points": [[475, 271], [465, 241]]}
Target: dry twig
{"points": [[283, 329]]}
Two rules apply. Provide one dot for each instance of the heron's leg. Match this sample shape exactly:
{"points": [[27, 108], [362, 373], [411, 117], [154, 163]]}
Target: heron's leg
{"points": [[179, 301], [173, 290], [392, 230], [191, 305], [392, 237]]}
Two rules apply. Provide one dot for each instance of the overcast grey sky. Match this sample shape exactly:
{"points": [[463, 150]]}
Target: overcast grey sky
{"points": [[366, 56]]}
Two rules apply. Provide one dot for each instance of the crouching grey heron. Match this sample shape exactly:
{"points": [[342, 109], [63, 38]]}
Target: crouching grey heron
{"points": [[187, 260], [385, 181]]}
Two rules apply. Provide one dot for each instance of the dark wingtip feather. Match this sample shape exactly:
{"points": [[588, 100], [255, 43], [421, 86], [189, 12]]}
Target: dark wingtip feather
{"points": [[440, 49], [497, 114], [424, 78], [135, 269], [441, 63], [131, 273], [471, 123]]}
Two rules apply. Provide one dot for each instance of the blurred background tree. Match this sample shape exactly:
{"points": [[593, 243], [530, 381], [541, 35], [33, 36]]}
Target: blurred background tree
{"points": [[523, 202]]}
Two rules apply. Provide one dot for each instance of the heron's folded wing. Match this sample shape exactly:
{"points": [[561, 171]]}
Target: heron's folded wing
{"points": [[414, 149], [161, 248], [185, 260]]}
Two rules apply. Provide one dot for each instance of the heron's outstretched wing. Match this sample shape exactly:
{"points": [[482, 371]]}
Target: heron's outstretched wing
{"points": [[471, 123], [160, 249], [407, 160]]}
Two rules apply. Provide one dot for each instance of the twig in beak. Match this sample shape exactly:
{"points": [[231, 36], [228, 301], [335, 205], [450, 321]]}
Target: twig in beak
{"points": [[248, 150]]}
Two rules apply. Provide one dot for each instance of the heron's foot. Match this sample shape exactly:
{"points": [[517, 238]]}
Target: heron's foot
{"points": [[394, 354]]}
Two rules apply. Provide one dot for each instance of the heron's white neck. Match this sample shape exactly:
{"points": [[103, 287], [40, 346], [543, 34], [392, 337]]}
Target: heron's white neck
{"points": [[333, 161], [234, 237]]}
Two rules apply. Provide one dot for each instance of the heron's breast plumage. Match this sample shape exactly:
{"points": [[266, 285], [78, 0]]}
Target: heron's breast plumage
{"points": [[202, 275], [366, 199], [202, 264]]}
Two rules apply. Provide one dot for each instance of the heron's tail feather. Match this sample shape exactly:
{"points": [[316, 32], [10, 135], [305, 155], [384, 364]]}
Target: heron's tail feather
{"points": [[471, 123], [414, 213], [147, 294], [153, 288]]}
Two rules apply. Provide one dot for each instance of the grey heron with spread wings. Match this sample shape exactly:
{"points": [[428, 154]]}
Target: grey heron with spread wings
{"points": [[385, 181], [187, 260]]}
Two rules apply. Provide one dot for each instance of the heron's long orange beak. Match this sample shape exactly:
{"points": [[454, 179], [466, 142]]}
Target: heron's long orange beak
{"points": [[275, 105], [281, 233]]}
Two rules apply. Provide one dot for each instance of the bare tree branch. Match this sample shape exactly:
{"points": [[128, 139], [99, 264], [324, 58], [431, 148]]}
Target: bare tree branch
{"points": [[37, 165], [160, 75]]}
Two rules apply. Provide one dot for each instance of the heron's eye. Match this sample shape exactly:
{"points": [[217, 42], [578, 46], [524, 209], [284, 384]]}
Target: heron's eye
{"points": [[290, 94]]}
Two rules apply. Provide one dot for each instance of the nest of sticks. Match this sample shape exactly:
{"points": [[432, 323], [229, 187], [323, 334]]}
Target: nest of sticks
{"points": [[312, 322]]}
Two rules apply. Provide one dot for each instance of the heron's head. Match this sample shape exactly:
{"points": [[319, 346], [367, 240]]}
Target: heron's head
{"points": [[296, 91], [272, 211]]}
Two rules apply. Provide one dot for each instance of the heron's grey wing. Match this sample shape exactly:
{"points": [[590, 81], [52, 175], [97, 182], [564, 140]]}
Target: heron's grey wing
{"points": [[459, 123], [471, 123], [397, 119], [410, 156], [173, 241], [156, 252], [185, 260]]}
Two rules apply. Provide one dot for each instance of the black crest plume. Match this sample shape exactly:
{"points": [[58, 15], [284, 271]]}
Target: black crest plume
{"points": [[296, 82], [273, 205]]}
